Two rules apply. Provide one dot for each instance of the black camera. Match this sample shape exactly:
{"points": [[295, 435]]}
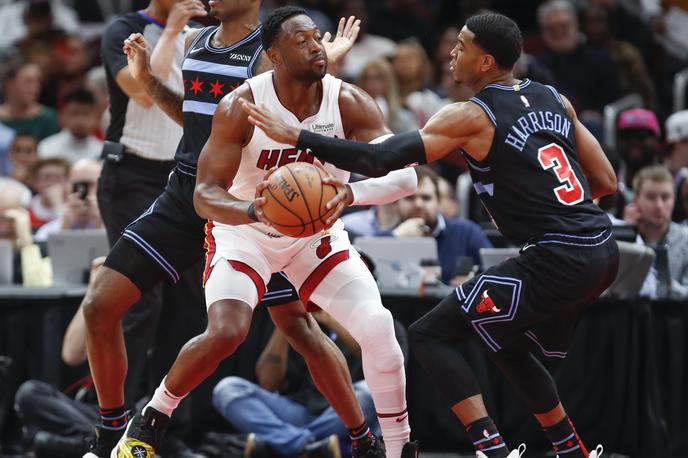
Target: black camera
{"points": [[81, 188]]}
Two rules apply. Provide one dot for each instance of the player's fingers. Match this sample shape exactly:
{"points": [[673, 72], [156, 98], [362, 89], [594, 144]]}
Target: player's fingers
{"points": [[349, 25], [327, 37], [260, 201], [355, 30], [270, 171], [340, 26]]}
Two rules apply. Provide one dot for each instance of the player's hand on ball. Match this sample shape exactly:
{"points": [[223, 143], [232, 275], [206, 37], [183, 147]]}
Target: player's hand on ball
{"points": [[340, 201], [273, 127], [138, 56], [259, 201]]}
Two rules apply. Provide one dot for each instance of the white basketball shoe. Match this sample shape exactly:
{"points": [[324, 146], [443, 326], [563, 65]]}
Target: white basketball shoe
{"points": [[516, 453]]}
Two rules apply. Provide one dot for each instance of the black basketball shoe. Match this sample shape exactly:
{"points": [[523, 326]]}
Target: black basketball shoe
{"points": [[143, 435]]}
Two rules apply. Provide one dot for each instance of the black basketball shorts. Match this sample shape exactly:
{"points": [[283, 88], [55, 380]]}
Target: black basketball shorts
{"points": [[535, 299], [169, 237]]}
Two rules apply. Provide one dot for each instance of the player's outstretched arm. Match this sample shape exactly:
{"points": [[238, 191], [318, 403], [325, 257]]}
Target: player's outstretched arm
{"points": [[138, 57], [219, 161], [596, 166], [448, 130]]}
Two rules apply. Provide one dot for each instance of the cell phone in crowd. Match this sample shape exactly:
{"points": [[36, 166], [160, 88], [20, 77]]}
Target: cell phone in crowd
{"points": [[81, 188]]}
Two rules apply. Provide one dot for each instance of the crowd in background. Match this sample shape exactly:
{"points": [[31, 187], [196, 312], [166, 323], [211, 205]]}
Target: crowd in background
{"points": [[54, 109]]}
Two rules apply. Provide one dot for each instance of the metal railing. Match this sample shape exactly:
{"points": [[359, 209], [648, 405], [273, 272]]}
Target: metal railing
{"points": [[680, 86], [611, 112]]}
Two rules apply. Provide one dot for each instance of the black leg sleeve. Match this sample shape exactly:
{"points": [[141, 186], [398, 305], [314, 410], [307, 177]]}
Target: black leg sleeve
{"points": [[531, 381], [435, 340]]}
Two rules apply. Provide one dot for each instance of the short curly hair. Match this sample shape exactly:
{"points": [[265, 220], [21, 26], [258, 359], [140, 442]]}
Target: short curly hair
{"points": [[499, 36], [273, 23]]}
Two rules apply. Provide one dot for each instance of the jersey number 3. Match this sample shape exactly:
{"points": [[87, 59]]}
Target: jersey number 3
{"points": [[553, 156]]}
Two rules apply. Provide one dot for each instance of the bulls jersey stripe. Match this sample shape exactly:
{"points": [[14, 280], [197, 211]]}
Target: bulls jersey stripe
{"points": [[486, 108], [192, 106], [215, 68], [255, 34]]}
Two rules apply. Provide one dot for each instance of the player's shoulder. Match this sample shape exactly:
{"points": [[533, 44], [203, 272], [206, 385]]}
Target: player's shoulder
{"points": [[231, 103], [352, 96]]}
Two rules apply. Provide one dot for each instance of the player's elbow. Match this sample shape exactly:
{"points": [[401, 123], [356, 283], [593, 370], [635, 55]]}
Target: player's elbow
{"points": [[200, 200], [608, 184]]}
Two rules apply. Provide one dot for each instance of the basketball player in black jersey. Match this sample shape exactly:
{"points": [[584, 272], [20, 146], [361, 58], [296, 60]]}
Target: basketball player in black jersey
{"points": [[168, 238], [537, 170]]}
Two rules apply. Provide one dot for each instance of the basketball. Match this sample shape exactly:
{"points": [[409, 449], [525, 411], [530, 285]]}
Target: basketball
{"points": [[296, 198]]}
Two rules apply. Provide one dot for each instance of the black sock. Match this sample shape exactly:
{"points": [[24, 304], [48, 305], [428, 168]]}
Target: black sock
{"points": [[361, 436], [565, 440], [486, 438], [113, 420]]}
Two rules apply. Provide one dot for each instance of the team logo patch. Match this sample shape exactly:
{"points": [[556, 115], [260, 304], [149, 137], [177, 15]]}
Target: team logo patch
{"points": [[324, 247], [486, 305]]}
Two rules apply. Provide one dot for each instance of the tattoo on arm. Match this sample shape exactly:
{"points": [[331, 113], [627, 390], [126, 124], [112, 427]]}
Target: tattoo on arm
{"points": [[168, 100]]}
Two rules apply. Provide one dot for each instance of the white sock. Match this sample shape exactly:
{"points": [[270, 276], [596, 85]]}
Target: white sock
{"points": [[164, 401], [396, 433]]}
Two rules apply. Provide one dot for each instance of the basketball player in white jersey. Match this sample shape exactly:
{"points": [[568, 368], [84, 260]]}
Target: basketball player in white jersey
{"points": [[324, 268]]}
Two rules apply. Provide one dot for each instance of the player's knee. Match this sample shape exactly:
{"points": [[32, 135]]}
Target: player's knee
{"points": [[107, 300], [224, 338], [375, 335]]}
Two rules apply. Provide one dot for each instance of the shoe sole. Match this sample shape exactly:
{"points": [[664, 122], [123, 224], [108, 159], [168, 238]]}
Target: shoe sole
{"points": [[115, 453]]}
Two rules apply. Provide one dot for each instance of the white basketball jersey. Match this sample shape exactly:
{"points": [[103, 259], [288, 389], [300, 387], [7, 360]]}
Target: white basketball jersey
{"points": [[262, 153]]}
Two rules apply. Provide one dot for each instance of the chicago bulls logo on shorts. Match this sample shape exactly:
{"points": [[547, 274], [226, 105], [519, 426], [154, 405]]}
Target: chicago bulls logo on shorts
{"points": [[486, 305]]}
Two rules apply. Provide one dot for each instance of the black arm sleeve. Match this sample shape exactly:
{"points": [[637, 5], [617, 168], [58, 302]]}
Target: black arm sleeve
{"points": [[372, 160]]}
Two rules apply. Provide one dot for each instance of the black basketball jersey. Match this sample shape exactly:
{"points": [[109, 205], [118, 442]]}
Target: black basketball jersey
{"points": [[531, 182], [210, 73]]}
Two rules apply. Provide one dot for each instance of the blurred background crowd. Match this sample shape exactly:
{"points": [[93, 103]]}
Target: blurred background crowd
{"points": [[622, 63]]}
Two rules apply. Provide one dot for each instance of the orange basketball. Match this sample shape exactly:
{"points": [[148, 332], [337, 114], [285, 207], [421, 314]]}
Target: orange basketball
{"points": [[296, 198]]}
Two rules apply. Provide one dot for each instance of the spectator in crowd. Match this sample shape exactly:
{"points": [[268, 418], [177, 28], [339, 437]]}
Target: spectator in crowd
{"points": [[638, 136], [76, 140], [684, 200], [21, 110], [284, 409], [404, 19], [81, 208], [6, 137], [448, 205], [442, 55], [631, 69], [96, 84], [654, 201], [456, 238], [585, 75], [15, 226], [668, 21], [368, 47], [413, 69], [676, 159], [49, 180], [376, 220], [22, 157], [19, 20], [377, 79]]}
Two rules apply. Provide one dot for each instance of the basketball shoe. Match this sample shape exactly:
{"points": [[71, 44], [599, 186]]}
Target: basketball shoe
{"points": [[142, 436], [374, 450], [516, 453], [410, 450], [103, 443], [597, 453]]}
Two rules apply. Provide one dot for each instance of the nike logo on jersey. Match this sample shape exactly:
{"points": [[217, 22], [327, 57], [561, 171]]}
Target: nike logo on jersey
{"points": [[194, 51], [400, 419]]}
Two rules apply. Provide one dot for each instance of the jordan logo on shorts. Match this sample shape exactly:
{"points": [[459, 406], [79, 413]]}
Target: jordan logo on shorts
{"points": [[486, 305], [324, 248]]}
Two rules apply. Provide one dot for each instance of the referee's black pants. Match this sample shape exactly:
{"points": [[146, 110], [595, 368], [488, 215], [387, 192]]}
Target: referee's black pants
{"points": [[152, 338]]}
